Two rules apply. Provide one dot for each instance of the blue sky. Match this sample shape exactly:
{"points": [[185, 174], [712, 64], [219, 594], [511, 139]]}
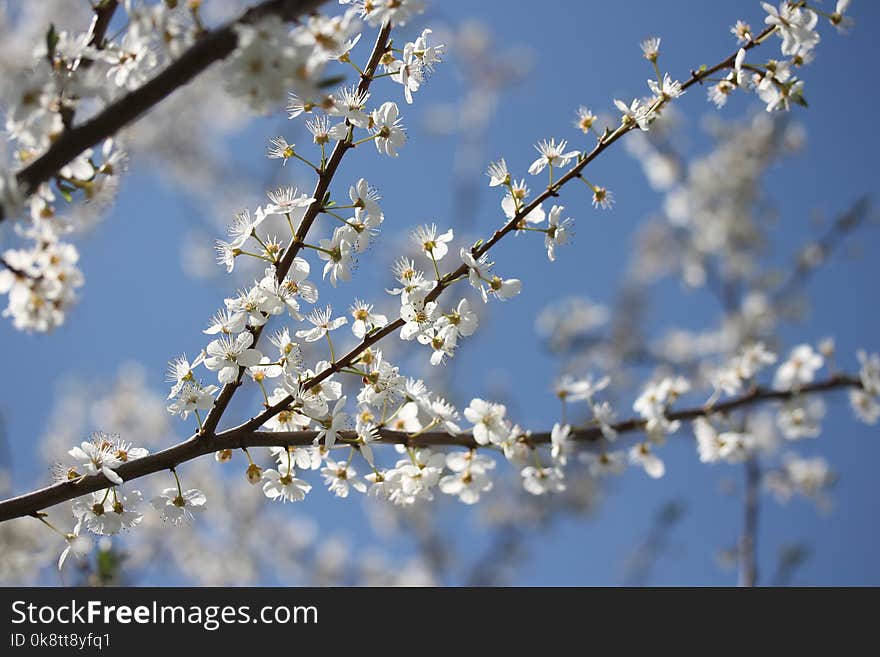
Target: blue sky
{"points": [[138, 305]]}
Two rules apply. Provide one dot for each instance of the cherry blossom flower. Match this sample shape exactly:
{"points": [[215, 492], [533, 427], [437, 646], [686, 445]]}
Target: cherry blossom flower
{"points": [[503, 289], [445, 413], [668, 89], [287, 201], [585, 119], [642, 455], [865, 406], [331, 426], [651, 48], [365, 319], [442, 340], [635, 112], [349, 103], [108, 512], [178, 507], [97, 456], [794, 24], [742, 31], [602, 198], [498, 173], [365, 199], [540, 481], [180, 372], [280, 149], [869, 372], [77, 544], [800, 418], [800, 368], [488, 421], [192, 397], [286, 487], [387, 128], [406, 419], [226, 322], [395, 12], [462, 321], [559, 441], [558, 231], [433, 245], [226, 356], [713, 446], [571, 389], [469, 480], [337, 251], [552, 155], [341, 478], [418, 317], [322, 324], [604, 463]]}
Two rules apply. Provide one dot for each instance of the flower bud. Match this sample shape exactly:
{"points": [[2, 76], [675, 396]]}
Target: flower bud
{"points": [[254, 473]]}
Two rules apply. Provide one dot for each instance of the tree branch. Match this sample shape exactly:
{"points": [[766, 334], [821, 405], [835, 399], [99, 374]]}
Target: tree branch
{"points": [[550, 192], [212, 47], [748, 542], [296, 243], [244, 435], [15, 270], [842, 226], [196, 446]]}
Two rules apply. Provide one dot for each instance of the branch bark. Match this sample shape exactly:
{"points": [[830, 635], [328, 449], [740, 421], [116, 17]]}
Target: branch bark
{"points": [[748, 542], [246, 435], [212, 47], [296, 243], [196, 446], [206, 441], [551, 191]]}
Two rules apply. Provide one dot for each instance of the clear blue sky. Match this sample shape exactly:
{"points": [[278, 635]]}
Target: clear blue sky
{"points": [[138, 305]]}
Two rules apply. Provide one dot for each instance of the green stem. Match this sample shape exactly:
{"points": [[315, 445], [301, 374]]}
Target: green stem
{"points": [[365, 140], [436, 268], [177, 481], [330, 342]]}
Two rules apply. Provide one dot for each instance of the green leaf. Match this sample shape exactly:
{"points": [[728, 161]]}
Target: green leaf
{"points": [[331, 81], [66, 191], [51, 41]]}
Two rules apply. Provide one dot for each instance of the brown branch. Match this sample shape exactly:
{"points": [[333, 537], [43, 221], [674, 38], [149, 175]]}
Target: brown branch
{"points": [[196, 446], [748, 542], [296, 243], [207, 441], [552, 191], [840, 228], [212, 47], [103, 11], [19, 273]]}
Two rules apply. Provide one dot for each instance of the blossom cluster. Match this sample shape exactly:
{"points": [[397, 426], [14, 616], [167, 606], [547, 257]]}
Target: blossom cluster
{"points": [[776, 82], [72, 74], [301, 393], [76, 74]]}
